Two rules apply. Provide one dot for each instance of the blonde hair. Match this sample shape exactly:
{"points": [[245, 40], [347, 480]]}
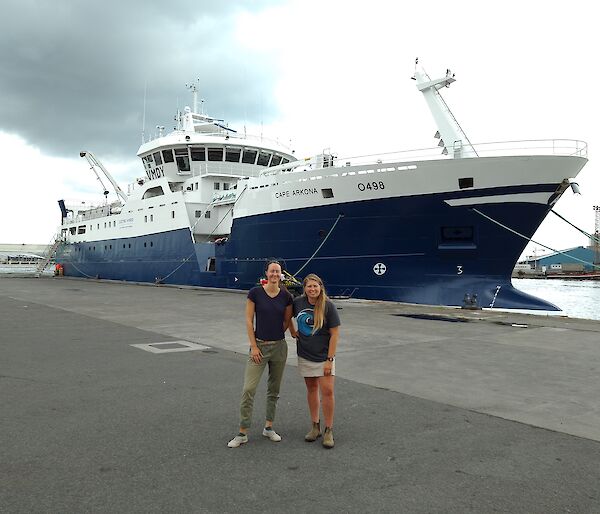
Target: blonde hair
{"points": [[319, 308]]}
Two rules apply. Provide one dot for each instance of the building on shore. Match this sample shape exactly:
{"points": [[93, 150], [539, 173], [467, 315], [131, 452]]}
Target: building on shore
{"points": [[573, 261], [19, 258]]}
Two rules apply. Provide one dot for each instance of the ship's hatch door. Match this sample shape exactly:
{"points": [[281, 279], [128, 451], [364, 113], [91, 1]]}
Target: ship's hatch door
{"points": [[210, 264]]}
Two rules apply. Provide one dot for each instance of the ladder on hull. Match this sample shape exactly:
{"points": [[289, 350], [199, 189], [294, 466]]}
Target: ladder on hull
{"points": [[49, 255]]}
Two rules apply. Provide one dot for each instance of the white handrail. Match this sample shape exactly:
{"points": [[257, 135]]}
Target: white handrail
{"points": [[532, 147]]}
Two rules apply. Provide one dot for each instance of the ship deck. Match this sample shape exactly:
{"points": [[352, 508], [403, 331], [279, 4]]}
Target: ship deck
{"points": [[438, 409]]}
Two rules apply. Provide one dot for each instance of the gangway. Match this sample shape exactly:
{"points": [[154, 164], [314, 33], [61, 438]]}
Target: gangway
{"points": [[49, 255]]}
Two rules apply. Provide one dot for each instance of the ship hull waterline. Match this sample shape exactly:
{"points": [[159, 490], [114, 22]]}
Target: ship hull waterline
{"points": [[414, 249]]}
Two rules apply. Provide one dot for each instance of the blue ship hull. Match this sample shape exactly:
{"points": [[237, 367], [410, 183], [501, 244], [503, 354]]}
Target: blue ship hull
{"points": [[432, 253]]}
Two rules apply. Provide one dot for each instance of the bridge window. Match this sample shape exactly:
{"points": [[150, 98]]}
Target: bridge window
{"points": [[226, 186], [249, 156], [233, 154], [276, 160], [81, 229], [167, 156], [147, 160], [215, 154], [198, 153], [263, 159], [182, 158], [157, 159], [198, 214], [217, 186]]}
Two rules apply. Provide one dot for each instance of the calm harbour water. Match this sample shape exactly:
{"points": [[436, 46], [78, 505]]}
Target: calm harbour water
{"points": [[577, 298]]}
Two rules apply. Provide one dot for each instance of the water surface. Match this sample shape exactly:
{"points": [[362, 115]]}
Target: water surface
{"points": [[577, 298]]}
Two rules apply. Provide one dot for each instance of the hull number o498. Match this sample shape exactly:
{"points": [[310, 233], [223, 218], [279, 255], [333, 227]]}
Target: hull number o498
{"points": [[371, 186]]}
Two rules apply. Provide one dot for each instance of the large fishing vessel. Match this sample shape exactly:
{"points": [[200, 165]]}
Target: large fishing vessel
{"points": [[443, 226]]}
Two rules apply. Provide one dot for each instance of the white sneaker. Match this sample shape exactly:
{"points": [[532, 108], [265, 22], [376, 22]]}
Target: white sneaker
{"points": [[272, 435], [237, 441]]}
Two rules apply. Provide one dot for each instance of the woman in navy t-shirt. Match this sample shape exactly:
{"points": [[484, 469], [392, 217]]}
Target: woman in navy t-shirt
{"points": [[270, 305]]}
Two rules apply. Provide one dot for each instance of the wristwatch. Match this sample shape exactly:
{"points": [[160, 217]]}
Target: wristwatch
{"points": [[330, 359]]}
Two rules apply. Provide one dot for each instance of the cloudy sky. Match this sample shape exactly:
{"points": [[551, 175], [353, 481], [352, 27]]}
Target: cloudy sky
{"points": [[323, 74]]}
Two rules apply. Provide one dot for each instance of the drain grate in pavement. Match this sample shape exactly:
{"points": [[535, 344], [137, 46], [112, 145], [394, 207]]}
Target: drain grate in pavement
{"points": [[171, 347]]}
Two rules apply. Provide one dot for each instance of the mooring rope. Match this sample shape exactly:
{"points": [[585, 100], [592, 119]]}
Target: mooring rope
{"points": [[531, 240], [82, 272], [592, 237], [322, 243]]}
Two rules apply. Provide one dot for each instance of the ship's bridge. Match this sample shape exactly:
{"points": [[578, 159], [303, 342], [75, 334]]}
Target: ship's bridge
{"points": [[202, 145]]}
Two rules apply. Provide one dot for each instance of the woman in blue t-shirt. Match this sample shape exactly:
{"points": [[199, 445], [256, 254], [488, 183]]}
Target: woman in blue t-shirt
{"points": [[317, 337], [270, 305]]}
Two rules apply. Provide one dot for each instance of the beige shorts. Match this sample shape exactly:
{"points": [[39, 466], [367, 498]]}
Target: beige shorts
{"points": [[308, 368]]}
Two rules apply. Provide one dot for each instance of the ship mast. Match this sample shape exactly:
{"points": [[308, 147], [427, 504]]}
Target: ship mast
{"points": [[451, 135], [194, 89]]}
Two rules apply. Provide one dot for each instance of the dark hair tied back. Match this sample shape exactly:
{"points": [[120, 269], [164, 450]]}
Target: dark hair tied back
{"points": [[272, 261]]}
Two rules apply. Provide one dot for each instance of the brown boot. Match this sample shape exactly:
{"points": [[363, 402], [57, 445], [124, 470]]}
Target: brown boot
{"points": [[314, 434], [328, 438]]}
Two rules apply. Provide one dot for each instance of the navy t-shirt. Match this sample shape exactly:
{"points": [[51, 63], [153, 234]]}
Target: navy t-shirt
{"points": [[269, 313], [314, 347]]}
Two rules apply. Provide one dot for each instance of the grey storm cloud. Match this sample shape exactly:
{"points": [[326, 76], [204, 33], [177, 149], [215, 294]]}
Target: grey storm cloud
{"points": [[73, 73]]}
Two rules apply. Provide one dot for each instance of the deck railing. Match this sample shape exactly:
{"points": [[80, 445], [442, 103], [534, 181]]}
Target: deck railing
{"points": [[563, 147]]}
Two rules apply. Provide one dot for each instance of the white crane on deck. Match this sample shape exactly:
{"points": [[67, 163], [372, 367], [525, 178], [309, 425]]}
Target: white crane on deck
{"points": [[95, 164]]}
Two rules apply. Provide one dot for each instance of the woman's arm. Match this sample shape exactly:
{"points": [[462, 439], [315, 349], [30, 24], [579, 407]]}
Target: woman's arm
{"points": [[255, 352], [287, 321], [333, 341], [293, 330]]}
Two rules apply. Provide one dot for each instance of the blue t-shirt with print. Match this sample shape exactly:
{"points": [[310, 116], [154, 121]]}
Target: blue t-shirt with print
{"points": [[314, 347]]}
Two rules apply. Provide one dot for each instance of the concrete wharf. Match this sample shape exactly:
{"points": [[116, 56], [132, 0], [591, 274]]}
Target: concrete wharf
{"points": [[438, 410]]}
